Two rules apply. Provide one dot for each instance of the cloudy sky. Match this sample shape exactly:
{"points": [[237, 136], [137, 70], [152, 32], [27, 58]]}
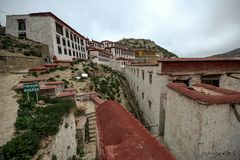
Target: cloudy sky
{"points": [[189, 28]]}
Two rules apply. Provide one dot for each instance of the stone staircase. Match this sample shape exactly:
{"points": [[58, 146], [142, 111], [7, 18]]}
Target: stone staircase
{"points": [[90, 147]]}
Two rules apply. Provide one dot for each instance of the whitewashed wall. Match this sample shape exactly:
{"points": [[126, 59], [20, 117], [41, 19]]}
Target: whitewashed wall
{"points": [[196, 131], [63, 144]]}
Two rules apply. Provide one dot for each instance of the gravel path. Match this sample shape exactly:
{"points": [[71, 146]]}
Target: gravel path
{"points": [[8, 106]]}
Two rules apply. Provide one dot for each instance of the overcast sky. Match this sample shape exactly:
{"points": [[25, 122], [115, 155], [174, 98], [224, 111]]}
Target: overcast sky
{"points": [[189, 28]]}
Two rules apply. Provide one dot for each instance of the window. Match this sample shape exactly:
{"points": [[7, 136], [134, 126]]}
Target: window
{"points": [[71, 36], [22, 35], [74, 53], [181, 81], [82, 42], [64, 42], [59, 29], [149, 104], [142, 95], [138, 72], [58, 39], [59, 50], [65, 51], [77, 54], [75, 38], [68, 42], [211, 79], [21, 24], [72, 45], [69, 52], [67, 33], [137, 88], [150, 78], [75, 46], [143, 74]]}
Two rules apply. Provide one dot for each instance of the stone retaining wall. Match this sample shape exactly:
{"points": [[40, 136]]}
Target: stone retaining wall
{"points": [[11, 63]]}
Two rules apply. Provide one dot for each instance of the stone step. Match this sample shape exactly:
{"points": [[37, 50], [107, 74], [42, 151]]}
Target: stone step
{"points": [[92, 127], [91, 115], [92, 140], [92, 118], [92, 135], [92, 122], [92, 131]]}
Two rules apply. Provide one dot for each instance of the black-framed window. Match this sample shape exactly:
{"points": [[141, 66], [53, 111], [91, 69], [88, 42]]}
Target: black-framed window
{"points": [[59, 50], [59, 28], [74, 53], [82, 42], [58, 39], [72, 45], [150, 78], [69, 52], [64, 42], [142, 95], [21, 24], [71, 36], [142, 74], [68, 42], [65, 51], [67, 33]]}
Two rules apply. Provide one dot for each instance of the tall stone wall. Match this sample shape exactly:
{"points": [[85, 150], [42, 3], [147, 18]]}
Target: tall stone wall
{"points": [[10, 63], [198, 131], [64, 144]]}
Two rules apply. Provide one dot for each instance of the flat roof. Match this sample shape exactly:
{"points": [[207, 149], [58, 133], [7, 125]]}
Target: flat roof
{"points": [[197, 59], [122, 136], [219, 96]]}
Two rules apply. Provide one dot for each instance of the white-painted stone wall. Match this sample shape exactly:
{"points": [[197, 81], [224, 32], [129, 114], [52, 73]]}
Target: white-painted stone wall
{"points": [[230, 82], [43, 29], [152, 92], [197, 131], [64, 143]]}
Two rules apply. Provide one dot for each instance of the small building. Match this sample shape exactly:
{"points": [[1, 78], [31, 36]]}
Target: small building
{"points": [[118, 50], [63, 41], [100, 56], [202, 122]]}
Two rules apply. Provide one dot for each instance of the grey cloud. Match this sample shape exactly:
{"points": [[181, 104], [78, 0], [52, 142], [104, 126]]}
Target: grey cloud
{"points": [[193, 28]]}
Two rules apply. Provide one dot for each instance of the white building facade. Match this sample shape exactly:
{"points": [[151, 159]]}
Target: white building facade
{"points": [[148, 82], [63, 41]]}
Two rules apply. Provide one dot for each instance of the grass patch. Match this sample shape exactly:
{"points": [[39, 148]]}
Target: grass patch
{"points": [[34, 123]]}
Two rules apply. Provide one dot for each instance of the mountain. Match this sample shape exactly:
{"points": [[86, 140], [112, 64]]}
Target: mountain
{"points": [[233, 53], [146, 45]]}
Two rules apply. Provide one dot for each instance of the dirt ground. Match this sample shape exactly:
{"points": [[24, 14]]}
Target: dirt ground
{"points": [[8, 106]]}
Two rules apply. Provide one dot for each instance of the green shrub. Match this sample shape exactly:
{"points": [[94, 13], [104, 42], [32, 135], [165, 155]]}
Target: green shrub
{"points": [[54, 157], [66, 125], [34, 74], [39, 122], [26, 53], [21, 147], [51, 79]]}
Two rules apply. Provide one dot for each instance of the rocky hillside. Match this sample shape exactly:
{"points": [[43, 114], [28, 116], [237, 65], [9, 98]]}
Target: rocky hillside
{"points": [[233, 53], [11, 46], [147, 45]]}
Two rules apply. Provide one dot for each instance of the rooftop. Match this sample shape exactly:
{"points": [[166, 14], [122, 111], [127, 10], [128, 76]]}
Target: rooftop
{"points": [[206, 94], [66, 94], [29, 80], [124, 137]]}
